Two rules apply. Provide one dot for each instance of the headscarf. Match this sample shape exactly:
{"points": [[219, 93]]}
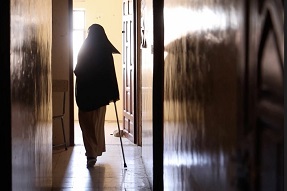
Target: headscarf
{"points": [[96, 83], [97, 33], [97, 43]]}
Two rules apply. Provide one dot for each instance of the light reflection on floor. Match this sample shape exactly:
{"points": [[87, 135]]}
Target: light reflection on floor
{"points": [[70, 172]]}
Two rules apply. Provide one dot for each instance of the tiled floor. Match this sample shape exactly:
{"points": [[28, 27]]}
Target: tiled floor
{"points": [[70, 172]]}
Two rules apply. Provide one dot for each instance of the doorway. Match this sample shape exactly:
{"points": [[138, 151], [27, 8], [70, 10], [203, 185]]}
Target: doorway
{"points": [[79, 36], [87, 13], [78, 39]]}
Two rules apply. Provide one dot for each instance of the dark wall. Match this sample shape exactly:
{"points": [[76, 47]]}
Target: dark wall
{"points": [[203, 48], [5, 109], [31, 109], [223, 95]]}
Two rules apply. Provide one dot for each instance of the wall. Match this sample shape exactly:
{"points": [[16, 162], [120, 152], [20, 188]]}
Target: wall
{"points": [[5, 101], [223, 95], [61, 64], [109, 15], [31, 93], [200, 93]]}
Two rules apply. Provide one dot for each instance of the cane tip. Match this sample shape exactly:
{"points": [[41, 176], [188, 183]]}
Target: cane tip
{"points": [[125, 165]]}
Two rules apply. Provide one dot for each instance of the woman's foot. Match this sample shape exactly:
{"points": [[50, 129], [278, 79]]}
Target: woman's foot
{"points": [[91, 161]]}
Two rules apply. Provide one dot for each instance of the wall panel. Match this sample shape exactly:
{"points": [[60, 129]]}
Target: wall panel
{"points": [[203, 47], [31, 106]]}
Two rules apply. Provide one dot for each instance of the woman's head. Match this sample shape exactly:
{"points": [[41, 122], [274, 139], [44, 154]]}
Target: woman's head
{"points": [[97, 32]]}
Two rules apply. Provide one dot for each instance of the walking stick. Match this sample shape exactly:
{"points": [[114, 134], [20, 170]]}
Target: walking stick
{"points": [[125, 165]]}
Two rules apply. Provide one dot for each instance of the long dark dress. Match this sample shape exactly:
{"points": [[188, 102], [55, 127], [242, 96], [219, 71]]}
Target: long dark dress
{"points": [[96, 87], [96, 82]]}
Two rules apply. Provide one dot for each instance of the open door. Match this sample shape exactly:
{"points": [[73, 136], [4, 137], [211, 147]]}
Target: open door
{"points": [[131, 77], [128, 71]]}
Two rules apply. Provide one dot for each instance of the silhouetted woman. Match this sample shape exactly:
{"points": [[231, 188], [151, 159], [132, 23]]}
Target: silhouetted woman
{"points": [[96, 87]]}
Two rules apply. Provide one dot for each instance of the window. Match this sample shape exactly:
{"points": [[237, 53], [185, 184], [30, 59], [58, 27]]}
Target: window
{"points": [[78, 33]]}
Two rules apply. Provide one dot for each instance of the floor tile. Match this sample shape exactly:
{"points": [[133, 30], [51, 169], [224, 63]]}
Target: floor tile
{"points": [[109, 174]]}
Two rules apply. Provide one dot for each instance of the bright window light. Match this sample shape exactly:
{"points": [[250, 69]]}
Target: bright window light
{"points": [[78, 19], [78, 33]]}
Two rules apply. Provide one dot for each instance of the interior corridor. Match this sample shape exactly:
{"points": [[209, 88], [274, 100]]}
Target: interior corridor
{"points": [[70, 172]]}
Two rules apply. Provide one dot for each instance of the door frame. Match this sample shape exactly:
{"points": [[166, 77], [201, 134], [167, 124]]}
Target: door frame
{"points": [[71, 77], [137, 72], [137, 75]]}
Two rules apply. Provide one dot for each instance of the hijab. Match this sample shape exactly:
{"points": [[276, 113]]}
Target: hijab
{"points": [[95, 46], [96, 82]]}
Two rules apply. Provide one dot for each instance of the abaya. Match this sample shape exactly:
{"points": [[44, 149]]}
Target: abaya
{"points": [[96, 83], [96, 87]]}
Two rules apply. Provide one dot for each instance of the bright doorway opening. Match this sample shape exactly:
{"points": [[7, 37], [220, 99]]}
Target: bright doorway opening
{"points": [[79, 36], [78, 39]]}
